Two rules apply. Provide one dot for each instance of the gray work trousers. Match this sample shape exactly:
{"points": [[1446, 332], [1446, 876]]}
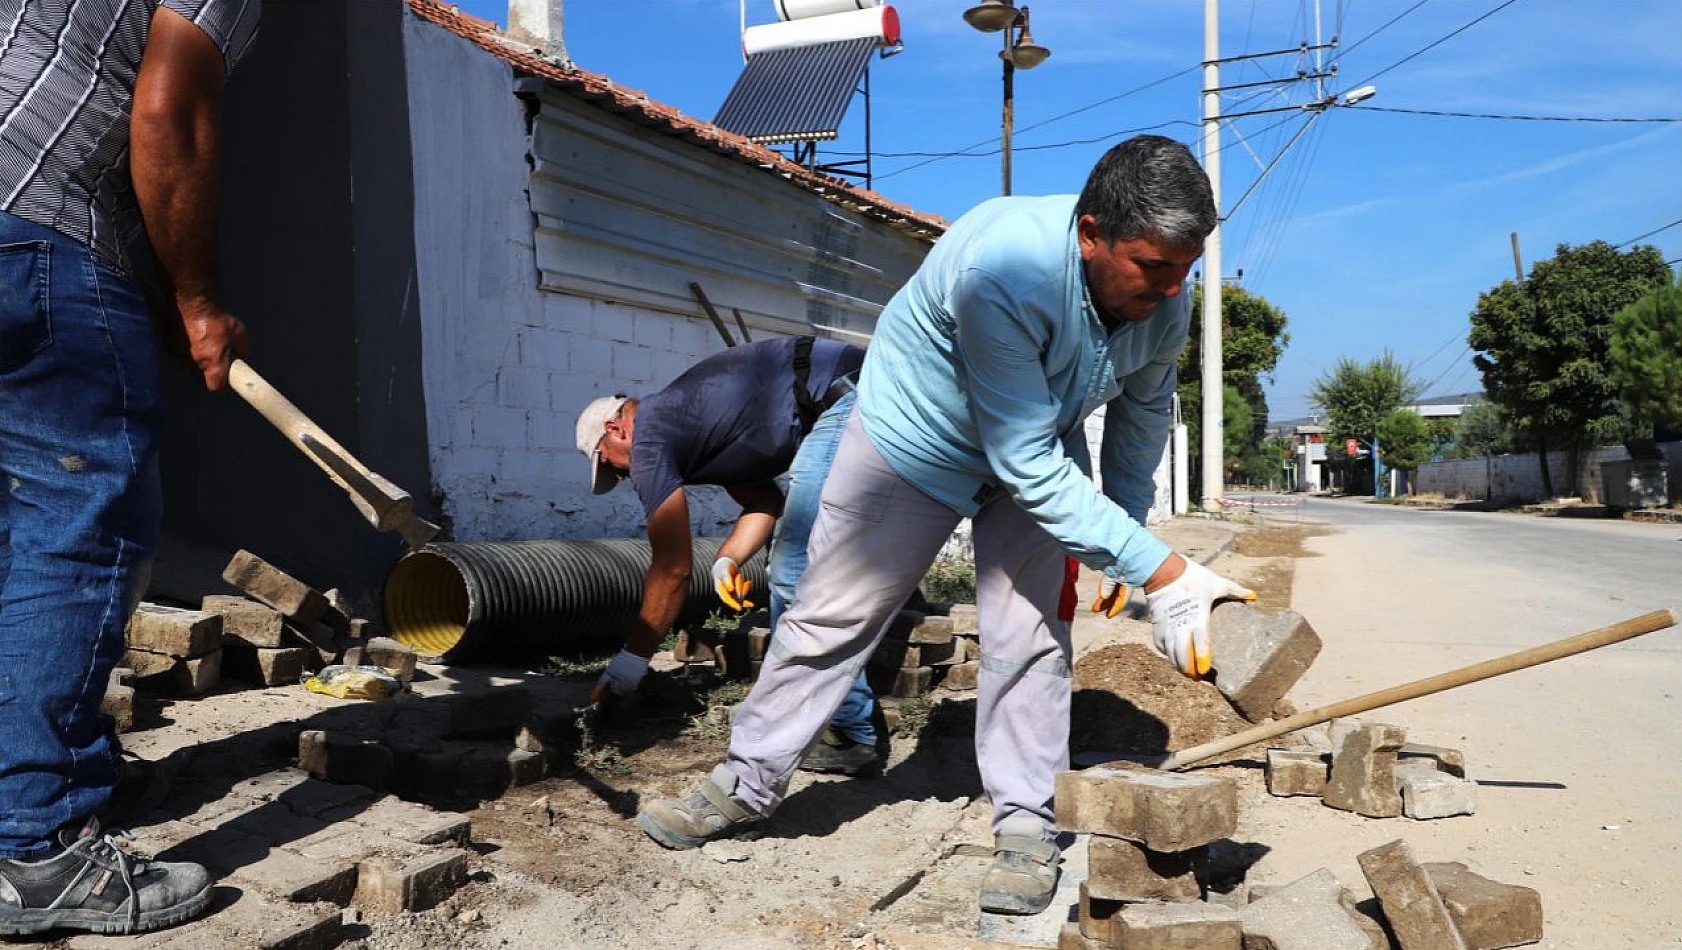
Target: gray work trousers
{"points": [[873, 541]]}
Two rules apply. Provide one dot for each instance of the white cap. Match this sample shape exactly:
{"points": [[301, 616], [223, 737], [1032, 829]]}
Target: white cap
{"points": [[591, 429]]}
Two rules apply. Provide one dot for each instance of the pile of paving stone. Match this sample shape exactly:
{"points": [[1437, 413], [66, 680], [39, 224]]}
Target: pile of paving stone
{"points": [[1371, 769], [1148, 869]]}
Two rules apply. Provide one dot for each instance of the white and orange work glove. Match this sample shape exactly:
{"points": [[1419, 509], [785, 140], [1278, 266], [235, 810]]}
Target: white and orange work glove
{"points": [[1180, 617], [732, 585], [623, 675], [1112, 597]]}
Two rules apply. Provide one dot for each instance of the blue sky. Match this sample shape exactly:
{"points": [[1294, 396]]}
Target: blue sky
{"points": [[1375, 230]]}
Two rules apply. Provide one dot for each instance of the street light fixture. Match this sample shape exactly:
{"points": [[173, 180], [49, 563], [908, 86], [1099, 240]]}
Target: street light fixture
{"points": [[1020, 52]]}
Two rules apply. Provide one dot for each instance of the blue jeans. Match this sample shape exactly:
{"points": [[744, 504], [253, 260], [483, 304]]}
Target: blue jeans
{"points": [[79, 510], [788, 550]]}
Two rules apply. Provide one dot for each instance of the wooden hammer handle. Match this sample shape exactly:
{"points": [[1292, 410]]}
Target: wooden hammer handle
{"points": [[1535, 656], [386, 506]]}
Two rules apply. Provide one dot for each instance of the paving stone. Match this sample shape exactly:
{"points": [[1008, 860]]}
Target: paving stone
{"points": [[317, 637], [274, 587], [902, 654], [1363, 777], [118, 703], [246, 620], [965, 620], [525, 768], [388, 887], [1164, 811], [1291, 772], [1437, 795], [500, 710], [1120, 870], [1259, 655], [758, 639], [932, 629], [1452, 761], [1071, 938], [293, 877], [267, 666], [1312, 913], [1195, 926], [343, 759], [961, 675], [1409, 899], [414, 823], [903, 683], [354, 843], [390, 655], [1096, 918], [1489, 914], [174, 631], [176, 676], [303, 793]]}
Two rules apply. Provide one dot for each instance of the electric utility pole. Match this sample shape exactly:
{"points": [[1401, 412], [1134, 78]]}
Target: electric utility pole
{"points": [[1212, 405]]}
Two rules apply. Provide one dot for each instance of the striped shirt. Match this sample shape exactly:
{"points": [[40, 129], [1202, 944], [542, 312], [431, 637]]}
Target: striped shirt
{"points": [[67, 75]]}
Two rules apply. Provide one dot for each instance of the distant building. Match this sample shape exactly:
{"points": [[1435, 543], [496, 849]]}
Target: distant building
{"points": [[1308, 448]]}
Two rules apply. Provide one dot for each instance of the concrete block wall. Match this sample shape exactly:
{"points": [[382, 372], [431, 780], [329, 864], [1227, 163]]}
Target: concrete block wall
{"points": [[1516, 478]]}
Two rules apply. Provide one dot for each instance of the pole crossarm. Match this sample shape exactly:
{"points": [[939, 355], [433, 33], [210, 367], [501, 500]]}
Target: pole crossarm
{"points": [[1299, 77], [1295, 50]]}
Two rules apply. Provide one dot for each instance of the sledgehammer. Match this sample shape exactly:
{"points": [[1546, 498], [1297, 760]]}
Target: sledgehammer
{"points": [[1524, 659], [386, 506]]}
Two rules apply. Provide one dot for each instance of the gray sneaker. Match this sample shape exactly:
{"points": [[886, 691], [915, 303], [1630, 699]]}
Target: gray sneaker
{"points": [[1023, 877], [833, 752], [94, 885], [710, 811]]}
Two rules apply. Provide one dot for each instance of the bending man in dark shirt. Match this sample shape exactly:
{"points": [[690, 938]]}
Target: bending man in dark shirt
{"points": [[738, 419]]}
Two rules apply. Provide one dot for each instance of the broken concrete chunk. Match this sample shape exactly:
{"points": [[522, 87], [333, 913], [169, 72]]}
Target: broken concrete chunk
{"points": [[1259, 655], [1490, 915], [1452, 761], [390, 655], [1437, 795], [385, 886], [275, 587], [1164, 811], [1363, 778], [174, 631], [1120, 870], [1409, 899], [1312, 913], [1290, 772]]}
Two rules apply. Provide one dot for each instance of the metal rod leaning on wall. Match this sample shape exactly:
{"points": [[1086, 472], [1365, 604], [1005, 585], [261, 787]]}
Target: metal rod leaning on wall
{"points": [[718, 321]]}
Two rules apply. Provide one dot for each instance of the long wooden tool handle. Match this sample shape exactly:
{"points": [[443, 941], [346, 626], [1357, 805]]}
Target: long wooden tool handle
{"points": [[384, 505], [1535, 656]]}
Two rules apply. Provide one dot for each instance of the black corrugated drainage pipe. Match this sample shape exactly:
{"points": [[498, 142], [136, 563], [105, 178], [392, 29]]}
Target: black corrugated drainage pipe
{"points": [[485, 599]]}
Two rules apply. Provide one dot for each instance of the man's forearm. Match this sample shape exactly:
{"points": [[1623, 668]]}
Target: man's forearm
{"points": [[662, 601]]}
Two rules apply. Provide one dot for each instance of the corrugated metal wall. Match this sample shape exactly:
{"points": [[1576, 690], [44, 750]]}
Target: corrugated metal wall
{"points": [[631, 218]]}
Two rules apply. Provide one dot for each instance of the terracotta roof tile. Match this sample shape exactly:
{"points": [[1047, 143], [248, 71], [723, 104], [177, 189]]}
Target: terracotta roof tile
{"points": [[602, 92]]}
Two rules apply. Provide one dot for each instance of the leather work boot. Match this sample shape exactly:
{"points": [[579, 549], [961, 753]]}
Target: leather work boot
{"points": [[1023, 877], [833, 752], [710, 811], [93, 885]]}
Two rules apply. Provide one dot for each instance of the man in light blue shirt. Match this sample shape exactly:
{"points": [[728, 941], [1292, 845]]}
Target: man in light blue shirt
{"points": [[1027, 315]]}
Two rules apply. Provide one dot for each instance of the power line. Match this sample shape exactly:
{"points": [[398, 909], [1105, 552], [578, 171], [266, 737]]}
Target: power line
{"points": [[1434, 44], [1662, 227], [1519, 118], [1351, 47]]}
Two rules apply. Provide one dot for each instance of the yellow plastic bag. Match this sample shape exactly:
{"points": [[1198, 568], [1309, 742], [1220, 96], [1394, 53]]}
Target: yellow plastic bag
{"points": [[354, 682]]}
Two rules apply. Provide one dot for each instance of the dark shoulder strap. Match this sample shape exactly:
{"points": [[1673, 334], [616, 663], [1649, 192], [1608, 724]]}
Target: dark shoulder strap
{"points": [[808, 408]]}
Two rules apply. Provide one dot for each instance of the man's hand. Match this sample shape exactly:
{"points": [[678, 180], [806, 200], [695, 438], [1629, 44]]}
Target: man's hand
{"points": [[1112, 596], [214, 338], [732, 585], [1180, 616], [623, 675]]}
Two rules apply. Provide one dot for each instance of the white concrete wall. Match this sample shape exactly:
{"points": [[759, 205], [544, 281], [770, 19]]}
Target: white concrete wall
{"points": [[540, 291]]}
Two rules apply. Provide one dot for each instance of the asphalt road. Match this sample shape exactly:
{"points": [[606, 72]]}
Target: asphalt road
{"points": [[1579, 761]]}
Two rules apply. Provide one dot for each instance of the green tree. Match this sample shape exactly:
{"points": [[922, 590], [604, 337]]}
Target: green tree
{"points": [[1482, 430], [1356, 397], [1647, 357], [1404, 440], [1252, 339], [1543, 346], [1236, 418]]}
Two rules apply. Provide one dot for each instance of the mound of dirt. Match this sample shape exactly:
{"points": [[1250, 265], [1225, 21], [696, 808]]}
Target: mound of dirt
{"points": [[1129, 699]]}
